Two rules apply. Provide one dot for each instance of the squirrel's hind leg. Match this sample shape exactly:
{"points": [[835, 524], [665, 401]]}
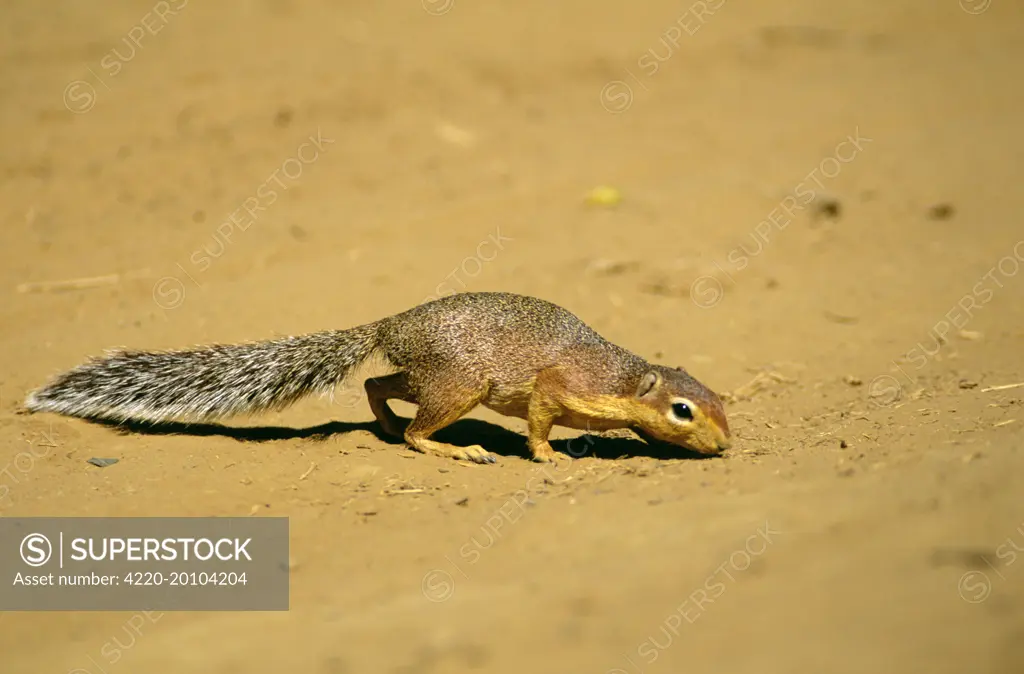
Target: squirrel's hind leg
{"points": [[392, 387], [442, 404]]}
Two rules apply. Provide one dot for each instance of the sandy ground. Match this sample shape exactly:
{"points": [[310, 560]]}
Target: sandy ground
{"points": [[820, 214]]}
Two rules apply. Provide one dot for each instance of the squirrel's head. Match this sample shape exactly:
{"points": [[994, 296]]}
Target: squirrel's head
{"points": [[682, 411]]}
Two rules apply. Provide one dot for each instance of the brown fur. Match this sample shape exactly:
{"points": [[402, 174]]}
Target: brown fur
{"points": [[527, 358]]}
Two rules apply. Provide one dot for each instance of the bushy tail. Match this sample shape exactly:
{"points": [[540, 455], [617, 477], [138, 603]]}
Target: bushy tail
{"points": [[206, 382]]}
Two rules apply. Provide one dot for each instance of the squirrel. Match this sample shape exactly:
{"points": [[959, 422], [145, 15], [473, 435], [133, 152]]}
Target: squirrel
{"points": [[520, 356]]}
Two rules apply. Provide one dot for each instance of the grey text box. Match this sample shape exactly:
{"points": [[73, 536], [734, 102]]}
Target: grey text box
{"points": [[144, 564]]}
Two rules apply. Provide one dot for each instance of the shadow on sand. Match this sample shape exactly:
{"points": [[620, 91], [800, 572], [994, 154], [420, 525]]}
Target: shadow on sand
{"points": [[464, 432]]}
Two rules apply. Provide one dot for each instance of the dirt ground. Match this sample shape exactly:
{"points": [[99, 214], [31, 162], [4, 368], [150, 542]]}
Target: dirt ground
{"points": [[818, 212]]}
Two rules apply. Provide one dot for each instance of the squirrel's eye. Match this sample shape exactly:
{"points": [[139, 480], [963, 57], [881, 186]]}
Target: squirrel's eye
{"points": [[682, 411]]}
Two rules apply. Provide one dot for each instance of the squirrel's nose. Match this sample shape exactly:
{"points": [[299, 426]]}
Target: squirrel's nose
{"points": [[724, 444]]}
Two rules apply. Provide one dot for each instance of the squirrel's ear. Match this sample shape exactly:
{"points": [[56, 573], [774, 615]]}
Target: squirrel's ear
{"points": [[650, 381], [682, 369]]}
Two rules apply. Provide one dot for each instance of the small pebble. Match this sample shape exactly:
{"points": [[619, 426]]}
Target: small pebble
{"points": [[941, 212], [283, 118], [102, 463], [827, 208], [607, 267]]}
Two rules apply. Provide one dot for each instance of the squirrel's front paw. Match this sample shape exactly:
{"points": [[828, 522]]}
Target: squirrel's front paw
{"points": [[474, 453]]}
